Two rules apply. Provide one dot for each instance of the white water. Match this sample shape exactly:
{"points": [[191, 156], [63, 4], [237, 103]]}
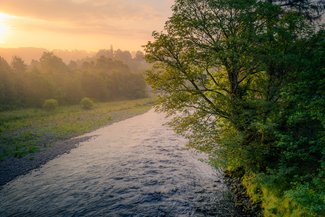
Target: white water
{"points": [[137, 167]]}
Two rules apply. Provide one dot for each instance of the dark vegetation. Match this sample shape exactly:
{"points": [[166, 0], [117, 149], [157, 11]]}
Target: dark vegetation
{"points": [[50, 104], [244, 80], [109, 75], [86, 103]]}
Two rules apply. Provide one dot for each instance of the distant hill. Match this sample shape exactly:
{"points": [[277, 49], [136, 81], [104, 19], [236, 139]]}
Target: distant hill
{"points": [[30, 53]]}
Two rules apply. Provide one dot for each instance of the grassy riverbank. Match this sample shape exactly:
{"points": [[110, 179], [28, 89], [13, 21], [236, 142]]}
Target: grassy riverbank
{"points": [[31, 130]]}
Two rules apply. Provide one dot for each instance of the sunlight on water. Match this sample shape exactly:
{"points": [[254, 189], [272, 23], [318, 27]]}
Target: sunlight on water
{"points": [[137, 167]]}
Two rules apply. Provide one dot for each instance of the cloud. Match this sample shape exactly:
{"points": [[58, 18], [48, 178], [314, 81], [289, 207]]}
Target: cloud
{"points": [[83, 10], [115, 18], [96, 15]]}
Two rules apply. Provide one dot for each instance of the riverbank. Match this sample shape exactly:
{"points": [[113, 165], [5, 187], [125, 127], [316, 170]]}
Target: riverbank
{"points": [[31, 137], [138, 166], [244, 204]]}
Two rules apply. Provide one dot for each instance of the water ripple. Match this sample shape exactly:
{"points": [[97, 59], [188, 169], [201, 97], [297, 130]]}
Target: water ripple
{"points": [[137, 167]]}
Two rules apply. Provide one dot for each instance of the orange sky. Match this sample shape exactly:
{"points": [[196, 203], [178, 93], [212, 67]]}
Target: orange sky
{"points": [[81, 24]]}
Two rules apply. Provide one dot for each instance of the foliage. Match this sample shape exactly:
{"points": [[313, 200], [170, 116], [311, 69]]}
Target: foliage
{"points": [[50, 104], [103, 78], [244, 81], [26, 131], [6, 84], [87, 103]]}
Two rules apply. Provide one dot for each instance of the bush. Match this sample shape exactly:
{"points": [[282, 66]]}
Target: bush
{"points": [[50, 104], [86, 103]]}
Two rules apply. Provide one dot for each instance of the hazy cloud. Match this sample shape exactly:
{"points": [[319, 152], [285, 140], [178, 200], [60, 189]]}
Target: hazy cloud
{"points": [[122, 18], [88, 9]]}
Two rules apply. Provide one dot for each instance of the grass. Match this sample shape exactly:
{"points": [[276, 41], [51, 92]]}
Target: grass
{"points": [[31, 130]]}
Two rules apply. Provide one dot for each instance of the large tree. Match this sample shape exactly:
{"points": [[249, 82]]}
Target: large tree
{"points": [[225, 68]]}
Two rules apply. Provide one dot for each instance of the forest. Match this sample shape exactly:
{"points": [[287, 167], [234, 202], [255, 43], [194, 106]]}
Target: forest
{"points": [[108, 75], [244, 82]]}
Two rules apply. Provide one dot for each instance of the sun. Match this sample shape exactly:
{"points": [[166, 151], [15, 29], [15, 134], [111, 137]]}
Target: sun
{"points": [[4, 27]]}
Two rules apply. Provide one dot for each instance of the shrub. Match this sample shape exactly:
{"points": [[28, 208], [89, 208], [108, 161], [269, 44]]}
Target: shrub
{"points": [[50, 104], [86, 103]]}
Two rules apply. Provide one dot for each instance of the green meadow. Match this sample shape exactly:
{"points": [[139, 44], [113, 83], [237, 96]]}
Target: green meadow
{"points": [[27, 131]]}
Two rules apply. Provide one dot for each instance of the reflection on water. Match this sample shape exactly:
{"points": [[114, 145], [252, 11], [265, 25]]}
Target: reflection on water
{"points": [[136, 167]]}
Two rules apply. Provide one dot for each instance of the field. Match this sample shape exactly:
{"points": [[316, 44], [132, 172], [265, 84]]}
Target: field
{"points": [[31, 130]]}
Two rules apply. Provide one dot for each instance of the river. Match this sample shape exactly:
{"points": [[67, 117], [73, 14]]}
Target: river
{"points": [[136, 167]]}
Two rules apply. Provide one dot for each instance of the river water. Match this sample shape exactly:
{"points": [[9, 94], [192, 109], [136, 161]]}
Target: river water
{"points": [[136, 167]]}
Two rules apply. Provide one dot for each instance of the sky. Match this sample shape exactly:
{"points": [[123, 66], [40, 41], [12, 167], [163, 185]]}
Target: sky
{"points": [[81, 24]]}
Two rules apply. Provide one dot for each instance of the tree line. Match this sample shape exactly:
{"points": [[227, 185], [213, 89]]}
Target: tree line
{"points": [[106, 76], [244, 81]]}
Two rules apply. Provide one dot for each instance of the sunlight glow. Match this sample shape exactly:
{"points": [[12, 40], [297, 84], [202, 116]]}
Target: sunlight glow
{"points": [[4, 27], [81, 24]]}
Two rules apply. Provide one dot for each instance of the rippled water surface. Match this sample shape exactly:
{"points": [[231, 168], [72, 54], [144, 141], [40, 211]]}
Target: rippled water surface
{"points": [[137, 167]]}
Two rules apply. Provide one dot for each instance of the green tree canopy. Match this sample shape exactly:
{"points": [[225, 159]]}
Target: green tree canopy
{"points": [[237, 76]]}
